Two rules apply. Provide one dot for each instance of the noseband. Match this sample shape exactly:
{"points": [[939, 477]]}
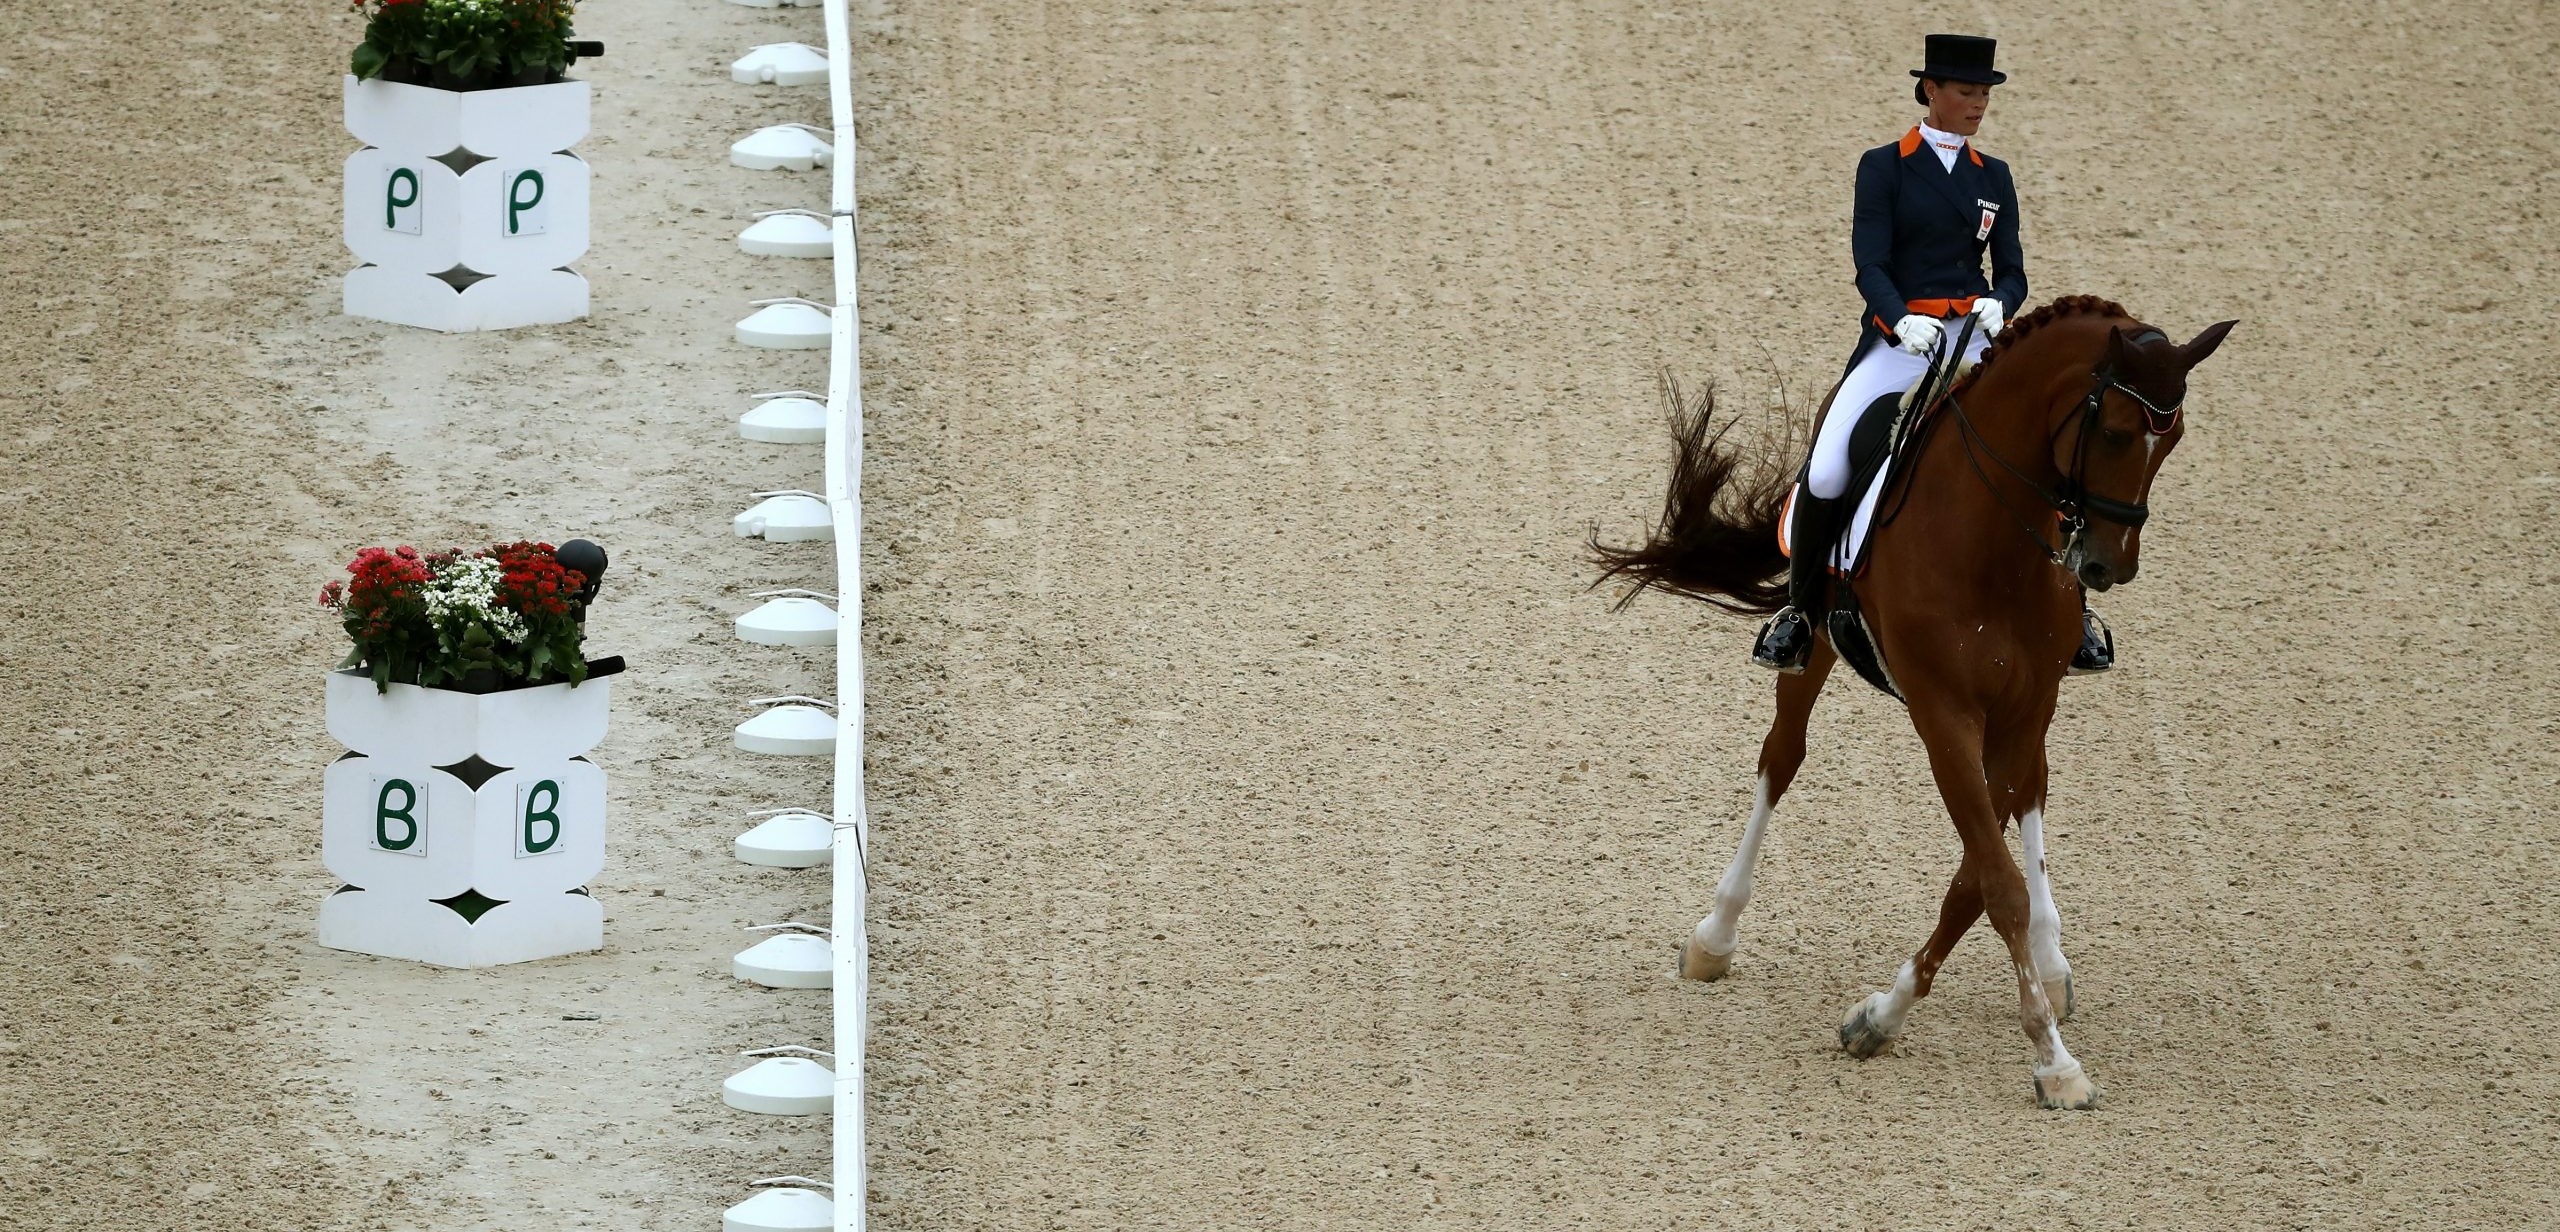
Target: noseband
{"points": [[2072, 501]]}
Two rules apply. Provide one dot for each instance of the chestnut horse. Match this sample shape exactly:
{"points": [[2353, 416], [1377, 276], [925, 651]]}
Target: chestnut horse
{"points": [[2038, 483]]}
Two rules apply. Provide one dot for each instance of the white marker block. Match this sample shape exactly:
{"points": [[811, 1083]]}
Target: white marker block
{"points": [[483, 247], [524, 215], [398, 825], [538, 830], [370, 922], [509, 301], [428, 810], [438, 727], [403, 211], [518, 122]]}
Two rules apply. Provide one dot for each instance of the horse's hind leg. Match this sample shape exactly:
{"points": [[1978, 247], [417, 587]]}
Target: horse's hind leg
{"points": [[1874, 1024], [1708, 952]]}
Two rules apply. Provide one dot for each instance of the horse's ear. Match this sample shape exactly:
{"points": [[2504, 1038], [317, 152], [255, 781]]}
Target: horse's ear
{"points": [[2201, 348]]}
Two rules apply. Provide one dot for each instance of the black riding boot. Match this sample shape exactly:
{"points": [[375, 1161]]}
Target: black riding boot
{"points": [[1787, 640], [2097, 650]]}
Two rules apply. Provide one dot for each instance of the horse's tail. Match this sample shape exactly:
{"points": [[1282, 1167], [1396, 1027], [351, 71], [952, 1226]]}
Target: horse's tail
{"points": [[1718, 538]]}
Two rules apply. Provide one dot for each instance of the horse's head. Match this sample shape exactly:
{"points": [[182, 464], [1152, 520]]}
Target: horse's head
{"points": [[2113, 440]]}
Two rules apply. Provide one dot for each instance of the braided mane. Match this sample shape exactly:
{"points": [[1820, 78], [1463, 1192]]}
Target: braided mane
{"points": [[2067, 306]]}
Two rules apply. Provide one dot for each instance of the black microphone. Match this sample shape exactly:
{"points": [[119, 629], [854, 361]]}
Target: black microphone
{"points": [[587, 557]]}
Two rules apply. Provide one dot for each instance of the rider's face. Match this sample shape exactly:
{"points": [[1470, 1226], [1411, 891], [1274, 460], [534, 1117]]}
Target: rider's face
{"points": [[1957, 106]]}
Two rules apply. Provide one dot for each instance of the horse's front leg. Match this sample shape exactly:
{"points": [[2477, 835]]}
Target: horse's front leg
{"points": [[1707, 953], [1874, 1023], [1956, 743], [2044, 923], [2015, 766]]}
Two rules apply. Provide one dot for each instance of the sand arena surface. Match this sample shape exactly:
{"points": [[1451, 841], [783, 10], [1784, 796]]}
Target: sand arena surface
{"points": [[1271, 832]]}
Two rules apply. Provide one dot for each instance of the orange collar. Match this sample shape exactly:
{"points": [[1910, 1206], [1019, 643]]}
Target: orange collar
{"points": [[1911, 142]]}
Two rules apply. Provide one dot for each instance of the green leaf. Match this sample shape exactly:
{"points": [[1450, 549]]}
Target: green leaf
{"points": [[368, 61]]}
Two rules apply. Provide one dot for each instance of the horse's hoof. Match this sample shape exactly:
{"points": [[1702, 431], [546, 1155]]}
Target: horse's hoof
{"points": [[1697, 963], [2057, 994], [2070, 1089], [1860, 1037]]}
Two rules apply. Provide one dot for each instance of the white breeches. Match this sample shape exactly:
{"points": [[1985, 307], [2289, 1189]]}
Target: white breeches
{"points": [[1882, 369]]}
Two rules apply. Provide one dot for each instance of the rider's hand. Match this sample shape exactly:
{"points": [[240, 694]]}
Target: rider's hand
{"points": [[1991, 315], [1919, 334]]}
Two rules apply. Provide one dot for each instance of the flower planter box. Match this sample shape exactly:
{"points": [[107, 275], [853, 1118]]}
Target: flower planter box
{"points": [[466, 206], [465, 826], [517, 122]]}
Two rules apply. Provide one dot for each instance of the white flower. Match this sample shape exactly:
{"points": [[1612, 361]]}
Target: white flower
{"points": [[466, 592]]}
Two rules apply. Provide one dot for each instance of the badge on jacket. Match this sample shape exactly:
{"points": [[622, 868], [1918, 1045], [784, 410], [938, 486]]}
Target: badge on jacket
{"points": [[1990, 214]]}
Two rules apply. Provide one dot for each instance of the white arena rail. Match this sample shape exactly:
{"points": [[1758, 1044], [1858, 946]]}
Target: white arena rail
{"points": [[850, 945], [851, 1181]]}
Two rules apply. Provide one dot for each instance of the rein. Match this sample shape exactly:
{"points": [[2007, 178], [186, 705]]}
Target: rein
{"points": [[2073, 500]]}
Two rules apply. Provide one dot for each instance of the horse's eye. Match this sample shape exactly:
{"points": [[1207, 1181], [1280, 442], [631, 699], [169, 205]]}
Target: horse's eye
{"points": [[2116, 437]]}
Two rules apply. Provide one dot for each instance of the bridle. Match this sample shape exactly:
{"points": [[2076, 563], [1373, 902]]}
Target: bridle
{"points": [[2072, 500]]}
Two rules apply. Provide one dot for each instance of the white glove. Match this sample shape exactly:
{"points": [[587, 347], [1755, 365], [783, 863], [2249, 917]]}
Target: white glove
{"points": [[1919, 334], [1991, 315]]}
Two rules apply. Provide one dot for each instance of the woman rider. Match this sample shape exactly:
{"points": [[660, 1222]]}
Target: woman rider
{"points": [[1928, 207]]}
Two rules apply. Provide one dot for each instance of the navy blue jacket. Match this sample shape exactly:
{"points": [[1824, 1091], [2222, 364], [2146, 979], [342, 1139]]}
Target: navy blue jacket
{"points": [[1919, 232]]}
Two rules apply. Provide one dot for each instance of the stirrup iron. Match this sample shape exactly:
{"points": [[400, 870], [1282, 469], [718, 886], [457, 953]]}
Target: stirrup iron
{"points": [[1785, 643], [2097, 652]]}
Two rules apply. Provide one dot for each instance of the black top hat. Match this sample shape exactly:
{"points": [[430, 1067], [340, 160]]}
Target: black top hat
{"points": [[1960, 57]]}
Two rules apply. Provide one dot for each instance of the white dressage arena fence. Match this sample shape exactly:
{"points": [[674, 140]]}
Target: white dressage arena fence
{"points": [[796, 955]]}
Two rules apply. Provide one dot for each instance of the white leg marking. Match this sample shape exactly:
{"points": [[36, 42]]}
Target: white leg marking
{"points": [[1885, 1009], [2059, 1062], [1715, 933], [2044, 924], [2052, 1059]]}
